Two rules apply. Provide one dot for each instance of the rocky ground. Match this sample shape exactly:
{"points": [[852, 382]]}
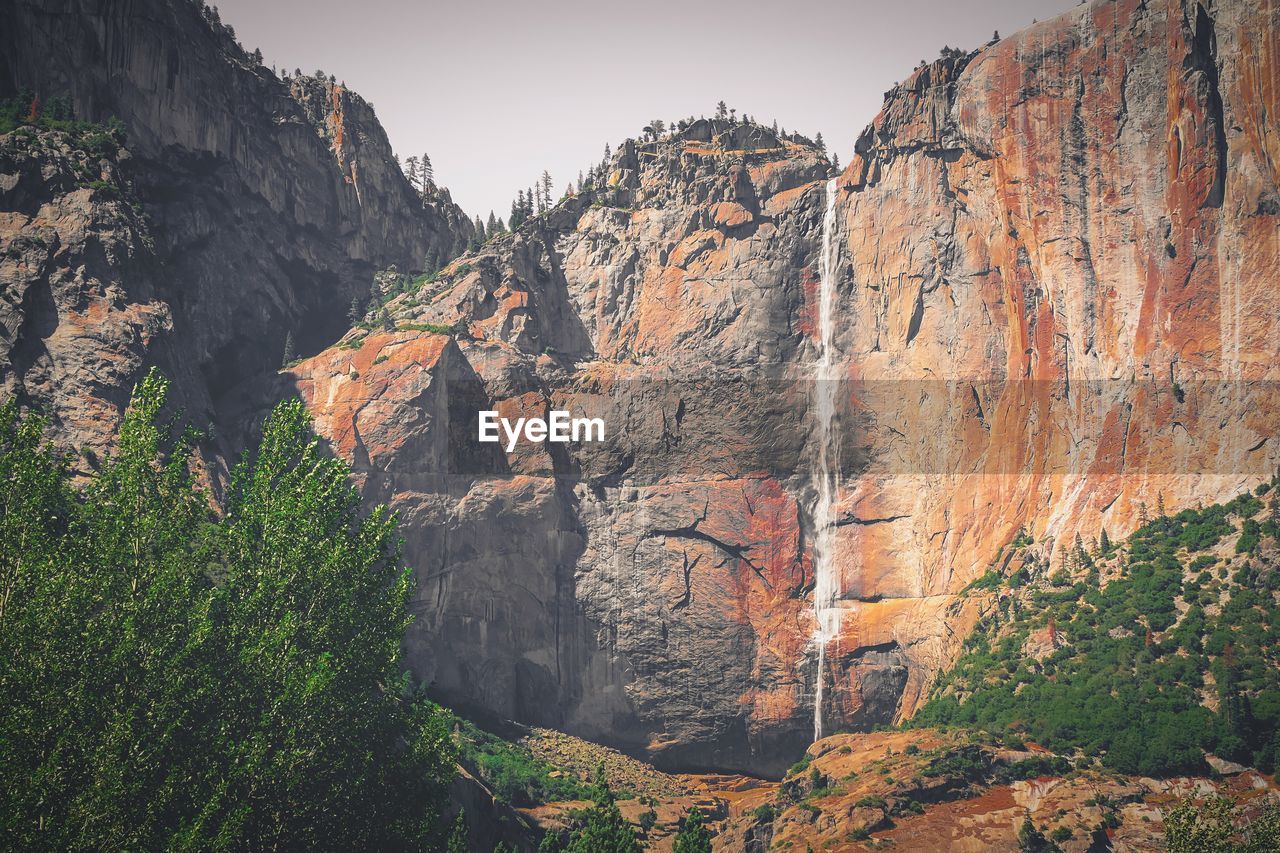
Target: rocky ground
{"points": [[912, 790]]}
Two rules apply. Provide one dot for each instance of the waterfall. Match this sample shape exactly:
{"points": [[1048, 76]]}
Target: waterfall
{"points": [[826, 587]]}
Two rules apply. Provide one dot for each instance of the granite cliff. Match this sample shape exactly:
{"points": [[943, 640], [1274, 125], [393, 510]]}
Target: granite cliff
{"points": [[1053, 268], [237, 208], [1049, 269]]}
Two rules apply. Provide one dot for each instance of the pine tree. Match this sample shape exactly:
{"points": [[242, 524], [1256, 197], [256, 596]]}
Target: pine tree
{"points": [[354, 313], [1104, 542], [546, 189], [458, 837], [289, 353], [411, 171], [817, 140], [492, 226], [517, 210], [388, 324], [722, 111], [427, 171], [693, 836], [835, 162], [603, 827]]}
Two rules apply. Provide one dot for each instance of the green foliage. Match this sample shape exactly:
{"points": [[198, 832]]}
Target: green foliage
{"points": [[435, 328], [26, 110], [800, 766], [693, 836], [1126, 684], [511, 771], [991, 579], [174, 679], [1032, 840], [601, 829], [458, 835], [1212, 828]]}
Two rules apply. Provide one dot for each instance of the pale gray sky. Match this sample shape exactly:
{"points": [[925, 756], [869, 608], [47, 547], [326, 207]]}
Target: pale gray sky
{"points": [[497, 91]]}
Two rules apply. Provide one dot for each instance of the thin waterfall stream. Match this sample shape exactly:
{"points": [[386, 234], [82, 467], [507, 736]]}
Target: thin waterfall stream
{"points": [[826, 588]]}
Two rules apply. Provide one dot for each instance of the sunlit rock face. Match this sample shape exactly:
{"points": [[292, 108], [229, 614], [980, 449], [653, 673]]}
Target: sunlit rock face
{"points": [[1077, 228], [1055, 304]]}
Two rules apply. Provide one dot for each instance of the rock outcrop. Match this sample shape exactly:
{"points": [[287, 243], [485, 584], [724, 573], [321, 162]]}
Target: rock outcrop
{"points": [[1054, 261], [1060, 303], [245, 208], [1054, 304]]}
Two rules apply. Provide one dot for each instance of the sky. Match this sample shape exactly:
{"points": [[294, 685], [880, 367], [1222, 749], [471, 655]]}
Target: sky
{"points": [[496, 91]]}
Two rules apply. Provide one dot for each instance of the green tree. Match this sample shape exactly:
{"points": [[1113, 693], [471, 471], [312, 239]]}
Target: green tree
{"points": [[1211, 828], [458, 837], [172, 678], [693, 837], [602, 829]]}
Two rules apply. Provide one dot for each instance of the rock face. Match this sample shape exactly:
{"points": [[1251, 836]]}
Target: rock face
{"points": [[242, 209], [1055, 261], [1063, 247]]}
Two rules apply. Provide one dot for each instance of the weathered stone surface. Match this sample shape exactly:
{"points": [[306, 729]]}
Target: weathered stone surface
{"points": [[1070, 222], [1036, 241], [1055, 304], [245, 209]]}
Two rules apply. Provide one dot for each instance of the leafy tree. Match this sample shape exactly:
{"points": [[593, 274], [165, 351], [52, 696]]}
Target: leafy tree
{"points": [[173, 678], [693, 836], [1211, 828]]}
